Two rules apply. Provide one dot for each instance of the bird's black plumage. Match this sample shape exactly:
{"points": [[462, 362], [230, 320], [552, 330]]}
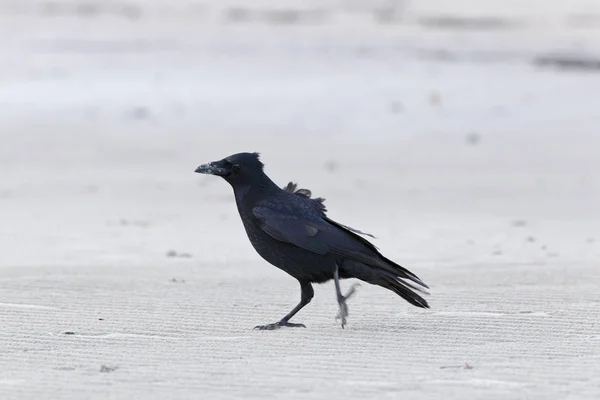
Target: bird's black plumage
{"points": [[291, 230]]}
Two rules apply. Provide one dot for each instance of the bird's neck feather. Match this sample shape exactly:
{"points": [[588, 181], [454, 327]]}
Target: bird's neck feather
{"points": [[252, 192]]}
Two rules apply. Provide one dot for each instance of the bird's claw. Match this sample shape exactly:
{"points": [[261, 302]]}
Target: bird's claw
{"points": [[343, 314], [352, 291], [277, 325]]}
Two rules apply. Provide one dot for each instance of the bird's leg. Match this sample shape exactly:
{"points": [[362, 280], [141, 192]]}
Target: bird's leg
{"points": [[343, 314], [306, 296]]}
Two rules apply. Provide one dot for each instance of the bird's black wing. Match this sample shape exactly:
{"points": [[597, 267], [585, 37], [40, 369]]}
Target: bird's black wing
{"points": [[298, 224], [288, 224]]}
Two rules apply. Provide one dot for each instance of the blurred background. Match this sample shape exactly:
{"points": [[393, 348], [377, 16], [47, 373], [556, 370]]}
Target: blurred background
{"points": [[455, 107], [464, 134]]}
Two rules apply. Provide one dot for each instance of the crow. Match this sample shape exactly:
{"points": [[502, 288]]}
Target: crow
{"points": [[290, 229]]}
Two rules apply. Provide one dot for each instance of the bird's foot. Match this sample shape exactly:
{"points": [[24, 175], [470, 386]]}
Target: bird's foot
{"points": [[343, 314], [277, 325]]}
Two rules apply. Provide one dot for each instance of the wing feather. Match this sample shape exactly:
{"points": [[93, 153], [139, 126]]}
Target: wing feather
{"points": [[290, 229], [322, 235]]}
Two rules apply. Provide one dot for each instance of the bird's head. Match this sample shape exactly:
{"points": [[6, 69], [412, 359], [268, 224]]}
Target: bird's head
{"points": [[237, 168]]}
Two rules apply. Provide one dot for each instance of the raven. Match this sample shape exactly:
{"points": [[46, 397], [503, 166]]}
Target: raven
{"points": [[290, 230]]}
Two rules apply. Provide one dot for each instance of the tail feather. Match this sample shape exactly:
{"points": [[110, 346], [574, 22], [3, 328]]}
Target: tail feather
{"points": [[402, 289], [402, 272], [397, 281], [374, 258]]}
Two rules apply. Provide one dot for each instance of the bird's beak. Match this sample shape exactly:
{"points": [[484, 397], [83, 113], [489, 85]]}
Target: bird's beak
{"points": [[212, 169]]}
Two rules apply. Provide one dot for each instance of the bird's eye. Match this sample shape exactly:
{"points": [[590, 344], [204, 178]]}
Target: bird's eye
{"points": [[236, 168]]}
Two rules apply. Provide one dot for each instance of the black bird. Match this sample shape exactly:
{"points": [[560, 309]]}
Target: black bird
{"points": [[290, 230]]}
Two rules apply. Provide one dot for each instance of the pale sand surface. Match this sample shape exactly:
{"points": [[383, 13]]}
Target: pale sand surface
{"points": [[474, 168]]}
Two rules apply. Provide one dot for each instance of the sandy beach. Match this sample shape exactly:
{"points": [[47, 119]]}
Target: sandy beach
{"points": [[462, 139]]}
